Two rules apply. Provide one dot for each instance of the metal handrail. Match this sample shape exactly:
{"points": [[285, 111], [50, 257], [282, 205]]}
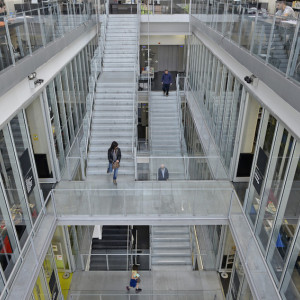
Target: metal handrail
{"points": [[135, 87], [96, 63]]}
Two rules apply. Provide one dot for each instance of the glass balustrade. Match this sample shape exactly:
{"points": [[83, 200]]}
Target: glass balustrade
{"points": [[274, 40], [22, 33]]}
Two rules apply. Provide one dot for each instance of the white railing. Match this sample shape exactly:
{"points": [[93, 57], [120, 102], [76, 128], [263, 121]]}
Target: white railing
{"points": [[96, 68], [178, 99], [136, 84]]}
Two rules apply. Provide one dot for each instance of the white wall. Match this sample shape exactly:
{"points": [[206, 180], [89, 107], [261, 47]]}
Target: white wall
{"points": [[37, 130]]}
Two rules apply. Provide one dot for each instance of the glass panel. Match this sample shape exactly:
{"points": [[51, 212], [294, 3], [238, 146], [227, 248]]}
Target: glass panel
{"points": [[73, 98], [18, 36], [40, 290], [50, 274], [23, 149], [34, 29], [62, 113], [13, 187], [288, 215], [5, 57], [266, 139], [9, 252], [290, 287], [39, 139], [68, 108], [77, 89], [55, 124], [274, 186], [80, 84], [281, 44]]}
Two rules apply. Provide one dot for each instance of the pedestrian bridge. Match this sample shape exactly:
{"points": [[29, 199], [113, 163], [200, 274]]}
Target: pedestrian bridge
{"points": [[147, 203]]}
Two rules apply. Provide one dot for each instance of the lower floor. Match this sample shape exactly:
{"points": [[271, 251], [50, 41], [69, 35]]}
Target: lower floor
{"points": [[175, 284]]}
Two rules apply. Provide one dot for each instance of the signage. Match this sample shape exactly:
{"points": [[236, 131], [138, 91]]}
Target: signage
{"points": [[27, 172], [53, 286], [260, 169]]}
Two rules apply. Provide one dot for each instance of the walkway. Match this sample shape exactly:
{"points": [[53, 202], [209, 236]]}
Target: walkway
{"points": [[151, 203], [156, 285]]}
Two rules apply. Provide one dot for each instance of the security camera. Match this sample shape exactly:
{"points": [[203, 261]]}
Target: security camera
{"points": [[248, 79], [251, 79], [39, 81]]}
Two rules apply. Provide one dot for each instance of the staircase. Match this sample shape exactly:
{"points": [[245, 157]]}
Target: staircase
{"points": [[278, 54], [170, 247], [114, 111], [114, 241], [165, 135]]}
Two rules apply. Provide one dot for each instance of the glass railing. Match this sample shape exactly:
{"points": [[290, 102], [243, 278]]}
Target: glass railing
{"points": [[22, 33], [272, 39], [148, 295], [169, 7], [169, 201], [180, 168]]}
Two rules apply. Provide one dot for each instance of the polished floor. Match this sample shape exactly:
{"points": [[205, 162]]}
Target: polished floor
{"points": [[156, 285]]}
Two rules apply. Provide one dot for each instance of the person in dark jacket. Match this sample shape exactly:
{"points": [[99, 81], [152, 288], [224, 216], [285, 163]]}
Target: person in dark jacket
{"points": [[166, 81], [163, 173], [114, 157]]}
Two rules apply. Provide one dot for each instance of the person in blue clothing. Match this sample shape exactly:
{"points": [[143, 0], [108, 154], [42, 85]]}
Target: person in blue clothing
{"points": [[166, 81], [134, 280]]}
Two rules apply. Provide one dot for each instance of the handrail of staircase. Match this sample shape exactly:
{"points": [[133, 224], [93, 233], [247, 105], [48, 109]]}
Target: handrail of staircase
{"points": [[136, 84], [178, 99], [96, 68]]}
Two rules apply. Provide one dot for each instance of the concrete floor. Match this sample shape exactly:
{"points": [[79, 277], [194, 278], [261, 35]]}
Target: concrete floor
{"points": [[158, 285]]}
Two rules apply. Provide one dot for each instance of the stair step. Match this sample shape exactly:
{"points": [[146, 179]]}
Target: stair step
{"points": [[171, 252], [103, 156], [170, 229], [104, 147], [104, 164], [110, 108], [114, 96], [171, 238], [112, 134], [171, 260], [96, 171], [120, 69], [112, 121]]}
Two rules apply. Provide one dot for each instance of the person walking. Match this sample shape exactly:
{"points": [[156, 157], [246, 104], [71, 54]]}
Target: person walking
{"points": [[166, 81], [114, 158], [134, 280], [163, 173]]}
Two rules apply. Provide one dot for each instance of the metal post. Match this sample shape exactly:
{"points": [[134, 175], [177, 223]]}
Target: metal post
{"points": [[107, 264]]}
